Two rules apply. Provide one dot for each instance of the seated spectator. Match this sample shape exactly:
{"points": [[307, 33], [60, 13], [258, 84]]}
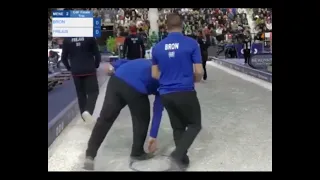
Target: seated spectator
{"points": [[163, 33], [269, 25]]}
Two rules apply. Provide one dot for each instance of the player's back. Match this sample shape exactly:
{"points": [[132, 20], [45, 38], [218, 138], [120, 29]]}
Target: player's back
{"points": [[137, 73], [81, 51], [174, 59]]}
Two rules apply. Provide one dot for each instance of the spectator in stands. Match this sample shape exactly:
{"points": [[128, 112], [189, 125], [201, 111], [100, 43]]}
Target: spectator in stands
{"points": [[163, 33], [269, 25], [153, 38], [143, 36]]}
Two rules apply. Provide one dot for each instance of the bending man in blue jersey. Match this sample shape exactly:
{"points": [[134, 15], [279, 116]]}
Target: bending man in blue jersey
{"points": [[130, 85], [177, 64]]}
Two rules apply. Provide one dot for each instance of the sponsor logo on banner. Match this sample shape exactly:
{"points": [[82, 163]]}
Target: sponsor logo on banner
{"points": [[256, 48], [261, 61], [247, 70], [253, 51]]}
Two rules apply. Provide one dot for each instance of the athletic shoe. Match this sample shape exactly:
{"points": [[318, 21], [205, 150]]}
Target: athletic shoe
{"points": [[205, 77], [86, 116], [179, 165], [186, 161], [176, 165], [89, 164]]}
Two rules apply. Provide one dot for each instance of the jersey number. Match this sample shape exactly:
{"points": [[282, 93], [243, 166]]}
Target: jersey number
{"points": [[78, 44]]}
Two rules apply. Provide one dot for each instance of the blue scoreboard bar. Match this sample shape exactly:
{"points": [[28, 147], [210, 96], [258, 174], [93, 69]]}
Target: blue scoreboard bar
{"points": [[96, 27], [72, 14]]}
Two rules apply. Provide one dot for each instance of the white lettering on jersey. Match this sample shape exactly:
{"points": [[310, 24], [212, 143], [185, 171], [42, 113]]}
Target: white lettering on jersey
{"points": [[171, 54], [77, 39], [134, 40], [172, 46]]}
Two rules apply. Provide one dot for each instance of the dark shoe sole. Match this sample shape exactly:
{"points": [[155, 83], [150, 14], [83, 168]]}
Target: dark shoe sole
{"points": [[143, 157]]}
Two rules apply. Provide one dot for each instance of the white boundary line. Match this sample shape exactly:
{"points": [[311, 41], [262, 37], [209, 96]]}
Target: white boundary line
{"points": [[245, 77]]}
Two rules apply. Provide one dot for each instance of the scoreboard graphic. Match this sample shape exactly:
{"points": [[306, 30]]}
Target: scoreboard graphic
{"points": [[75, 24]]}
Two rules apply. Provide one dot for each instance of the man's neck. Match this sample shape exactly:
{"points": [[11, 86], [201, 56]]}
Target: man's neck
{"points": [[175, 31]]}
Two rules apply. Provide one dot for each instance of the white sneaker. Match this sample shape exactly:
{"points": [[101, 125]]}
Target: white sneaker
{"points": [[87, 116]]}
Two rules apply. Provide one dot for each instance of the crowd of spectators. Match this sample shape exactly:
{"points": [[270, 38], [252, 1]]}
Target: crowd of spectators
{"points": [[127, 17], [222, 24], [262, 18]]}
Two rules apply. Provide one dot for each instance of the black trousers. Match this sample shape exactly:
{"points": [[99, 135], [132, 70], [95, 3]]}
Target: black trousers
{"points": [[220, 49], [87, 88], [185, 117], [246, 55], [204, 55], [118, 95]]}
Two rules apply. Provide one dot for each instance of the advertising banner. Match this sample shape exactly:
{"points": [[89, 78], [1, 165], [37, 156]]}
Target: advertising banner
{"points": [[256, 48], [261, 61], [246, 70]]}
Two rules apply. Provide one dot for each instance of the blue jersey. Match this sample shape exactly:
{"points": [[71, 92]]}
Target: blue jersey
{"points": [[175, 56], [137, 74]]}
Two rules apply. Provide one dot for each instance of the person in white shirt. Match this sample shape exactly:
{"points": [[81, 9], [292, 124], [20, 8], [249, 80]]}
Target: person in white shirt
{"points": [[139, 22], [269, 25], [127, 20], [241, 10], [219, 30]]}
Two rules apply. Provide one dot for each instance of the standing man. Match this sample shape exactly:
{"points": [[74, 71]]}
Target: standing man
{"points": [[246, 48], [84, 58], [130, 85], [204, 44], [133, 47], [177, 64]]}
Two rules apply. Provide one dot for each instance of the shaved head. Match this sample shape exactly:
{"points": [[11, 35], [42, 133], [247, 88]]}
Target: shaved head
{"points": [[174, 21]]}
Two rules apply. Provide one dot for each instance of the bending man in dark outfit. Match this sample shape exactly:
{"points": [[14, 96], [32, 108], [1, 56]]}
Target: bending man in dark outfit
{"points": [[130, 85], [177, 64], [84, 60]]}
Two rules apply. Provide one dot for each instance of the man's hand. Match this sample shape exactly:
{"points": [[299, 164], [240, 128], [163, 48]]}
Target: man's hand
{"points": [[109, 69], [152, 144]]}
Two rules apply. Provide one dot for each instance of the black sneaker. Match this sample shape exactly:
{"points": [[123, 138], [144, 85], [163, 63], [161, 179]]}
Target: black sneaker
{"points": [[143, 157], [186, 161], [176, 165], [89, 164], [205, 77]]}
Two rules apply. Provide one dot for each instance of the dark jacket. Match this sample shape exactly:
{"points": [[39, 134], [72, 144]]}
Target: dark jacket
{"points": [[133, 47], [83, 53], [204, 44]]}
